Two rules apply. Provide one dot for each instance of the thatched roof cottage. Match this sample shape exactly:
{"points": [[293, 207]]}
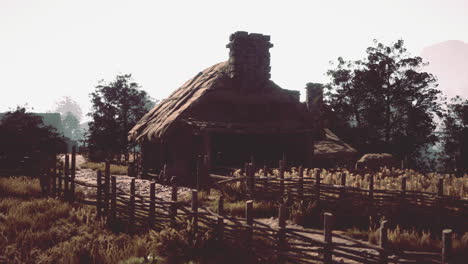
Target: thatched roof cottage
{"points": [[229, 112]]}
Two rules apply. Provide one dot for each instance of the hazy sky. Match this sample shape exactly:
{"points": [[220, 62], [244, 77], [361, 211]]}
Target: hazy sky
{"points": [[49, 49]]}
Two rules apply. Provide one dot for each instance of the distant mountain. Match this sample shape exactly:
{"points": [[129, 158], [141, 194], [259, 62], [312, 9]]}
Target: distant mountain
{"points": [[448, 61]]}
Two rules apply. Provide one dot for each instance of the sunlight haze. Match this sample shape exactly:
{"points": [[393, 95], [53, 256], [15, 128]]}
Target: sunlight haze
{"points": [[50, 49]]}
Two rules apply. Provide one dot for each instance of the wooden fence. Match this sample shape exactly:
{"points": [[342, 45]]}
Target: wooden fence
{"points": [[280, 244], [348, 201]]}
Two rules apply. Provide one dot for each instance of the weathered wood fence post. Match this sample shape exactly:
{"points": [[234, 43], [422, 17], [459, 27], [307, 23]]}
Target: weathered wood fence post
{"points": [[383, 242], [317, 185], [300, 187], [265, 178], [113, 211], [328, 220], [281, 233], [173, 202], [251, 179], [281, 175], [220, 228], [98, 194], [403, 187], [221, 205], [73, 174], [54, 174], [372, 216], [59, 182], [343, 185], [106, 187], [249, 220], [194, 212], [152, 205], [131, 206], [66, 176], [447, 246]]}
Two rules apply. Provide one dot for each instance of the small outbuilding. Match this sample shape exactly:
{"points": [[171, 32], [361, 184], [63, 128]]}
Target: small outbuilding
{"points": [[230, 112]]}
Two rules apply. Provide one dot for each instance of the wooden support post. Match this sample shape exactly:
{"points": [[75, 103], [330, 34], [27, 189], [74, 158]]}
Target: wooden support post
{"points": [[265, 178], [199, 170], [106, 187], [281, 175], [98, 194], [372, 217], [281, 233], [383, 242], [446, 246], [220, 227], [249, 219], [59, 182], [195, 211], [403, 186], [73, 174], [317, 185], [251, 180], [221, 205], [300, 188], [440, 187], [131, 207], [66, 176], [327, 235], [343, 179], [113, 214], [173, 202], [54, 174], [152, 206]]}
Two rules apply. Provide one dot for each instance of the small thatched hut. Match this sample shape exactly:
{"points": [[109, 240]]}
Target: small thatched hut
{"points": [[229, 112]]}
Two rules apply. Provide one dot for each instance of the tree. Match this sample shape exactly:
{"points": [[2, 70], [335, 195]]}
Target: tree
{"points": [[23, 133], [71, 126], [68, 105], [116, 108], [385, 101], [455, 136]]}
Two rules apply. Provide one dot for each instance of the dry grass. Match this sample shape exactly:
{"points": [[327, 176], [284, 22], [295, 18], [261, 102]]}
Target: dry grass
{"points": [[114, 169]]}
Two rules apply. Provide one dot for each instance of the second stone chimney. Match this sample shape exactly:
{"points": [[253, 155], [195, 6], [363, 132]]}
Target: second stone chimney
{"points": [[249, 59]]}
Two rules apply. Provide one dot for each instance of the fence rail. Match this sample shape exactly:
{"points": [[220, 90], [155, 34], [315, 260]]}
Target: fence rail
{"points": [[276, 244]]}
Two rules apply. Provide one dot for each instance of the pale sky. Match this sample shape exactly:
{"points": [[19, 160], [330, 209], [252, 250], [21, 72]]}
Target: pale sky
{"points": [[50, 49]]}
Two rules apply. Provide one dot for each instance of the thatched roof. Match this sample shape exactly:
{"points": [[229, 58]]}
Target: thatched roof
{"points": [[333, 147], [215, 82]]}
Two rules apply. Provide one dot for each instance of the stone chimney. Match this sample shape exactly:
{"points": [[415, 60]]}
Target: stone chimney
{"points": [[249, 59]]}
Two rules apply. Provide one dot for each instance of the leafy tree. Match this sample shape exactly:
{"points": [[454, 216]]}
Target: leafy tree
{"points": [[68, 105], [71, 126], [116, 108], [455, 137], [385, 101], [23, 133]]}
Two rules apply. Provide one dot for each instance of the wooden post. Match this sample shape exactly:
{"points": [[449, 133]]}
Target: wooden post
{"points": [[249, 219], [327, 235], [383, 241], [300, 188], [173, 202], [251, 180], [73, 174], [131, 207], [152, 206], [98, 193], [371, 201], [440, 187], [54, 175], [220, 227], [60, 180], [221, 205], [66, 176], [106, 187], [195, 211], [403, 186], [113, 215], [199, 170], [265, 178], [281, 233], [343, 179], [446, 246], [281, 175], [317, 185]]}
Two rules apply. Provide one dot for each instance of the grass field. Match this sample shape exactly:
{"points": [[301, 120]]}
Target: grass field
{"points": [[114, 169], [34, 229]]}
